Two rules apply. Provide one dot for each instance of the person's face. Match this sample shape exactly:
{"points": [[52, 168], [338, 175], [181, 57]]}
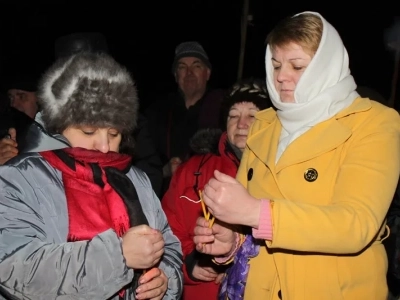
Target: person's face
{"points": [[240, 118], [24, 101], [289, 64], [192, 76], [93, 138]]}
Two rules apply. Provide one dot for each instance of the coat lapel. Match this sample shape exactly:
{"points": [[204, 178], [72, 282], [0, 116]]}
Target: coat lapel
{"points": [[320, 139], [264, 140]]}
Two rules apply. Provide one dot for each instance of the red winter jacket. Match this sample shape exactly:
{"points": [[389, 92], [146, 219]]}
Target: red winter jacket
{"points": [[182, 206]]}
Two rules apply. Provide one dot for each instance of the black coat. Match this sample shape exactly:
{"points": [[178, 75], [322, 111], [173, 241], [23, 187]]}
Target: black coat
{"points": [[145, 155]]}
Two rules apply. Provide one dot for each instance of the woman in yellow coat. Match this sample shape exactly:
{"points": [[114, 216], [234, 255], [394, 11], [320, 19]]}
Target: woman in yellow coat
{"points": [[315, 181]]}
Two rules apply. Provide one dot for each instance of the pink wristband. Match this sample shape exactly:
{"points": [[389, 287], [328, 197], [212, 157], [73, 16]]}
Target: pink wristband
{"points": [[224, 259], [264, 230]]}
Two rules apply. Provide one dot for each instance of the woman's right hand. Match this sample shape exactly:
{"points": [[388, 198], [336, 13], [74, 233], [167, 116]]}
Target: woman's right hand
{"points": [[142, 247], [219, 240]]}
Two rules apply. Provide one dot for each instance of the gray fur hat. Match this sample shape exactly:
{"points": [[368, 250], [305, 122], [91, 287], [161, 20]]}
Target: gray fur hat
{"points": [[88, 89]]}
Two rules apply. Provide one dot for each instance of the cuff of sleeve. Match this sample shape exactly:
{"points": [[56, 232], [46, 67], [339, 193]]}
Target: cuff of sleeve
{"points": [[190, 261], [229, 258], [264, 230]]}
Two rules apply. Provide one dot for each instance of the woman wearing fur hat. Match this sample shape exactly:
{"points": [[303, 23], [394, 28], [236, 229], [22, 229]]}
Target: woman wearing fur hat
{"points": [[79, 221], [213, 150]]}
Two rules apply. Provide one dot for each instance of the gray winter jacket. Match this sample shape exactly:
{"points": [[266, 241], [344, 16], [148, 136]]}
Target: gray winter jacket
{"points": [[36, 261]]}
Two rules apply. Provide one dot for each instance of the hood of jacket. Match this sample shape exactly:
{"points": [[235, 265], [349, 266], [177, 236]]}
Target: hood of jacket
{"points": [[36, 139], [205, 141]]}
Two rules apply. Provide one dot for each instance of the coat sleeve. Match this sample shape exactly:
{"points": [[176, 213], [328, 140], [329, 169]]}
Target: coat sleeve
{"points": [[362, 193], [175, 212], [34, 267], [171, 262]]}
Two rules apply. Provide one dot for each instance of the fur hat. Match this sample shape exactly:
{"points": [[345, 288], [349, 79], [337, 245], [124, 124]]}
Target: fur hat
{"points": [[88, 89], [246, 90]]}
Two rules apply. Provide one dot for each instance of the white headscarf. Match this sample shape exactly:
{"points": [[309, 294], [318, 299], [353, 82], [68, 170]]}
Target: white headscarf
{"points": [[325, 88]]}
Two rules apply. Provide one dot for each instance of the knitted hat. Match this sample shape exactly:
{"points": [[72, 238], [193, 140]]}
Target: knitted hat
{"points": [[88, 89], [190, 49], [245, 90]]}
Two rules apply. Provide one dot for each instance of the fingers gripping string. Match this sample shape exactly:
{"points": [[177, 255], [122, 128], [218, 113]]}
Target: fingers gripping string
{"points": [[206, 212]]}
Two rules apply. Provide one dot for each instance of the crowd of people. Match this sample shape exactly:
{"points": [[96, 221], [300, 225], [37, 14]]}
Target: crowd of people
{"points": [[283, 187]]}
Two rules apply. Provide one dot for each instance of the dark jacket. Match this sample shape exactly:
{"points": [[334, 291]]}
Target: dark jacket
{"points": [[172, 125], [13, 118], [145, 155]]}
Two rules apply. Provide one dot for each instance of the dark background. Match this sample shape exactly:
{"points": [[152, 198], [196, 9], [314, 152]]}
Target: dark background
{"points": [[143, 34]]}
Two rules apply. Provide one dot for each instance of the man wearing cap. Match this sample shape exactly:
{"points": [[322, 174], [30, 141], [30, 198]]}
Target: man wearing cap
{"points": [[19, 115], [177, 117], [24, 99]]}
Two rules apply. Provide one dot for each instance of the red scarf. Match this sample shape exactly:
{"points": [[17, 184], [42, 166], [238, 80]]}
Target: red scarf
{"points": [[92, 208], [99, 194]]}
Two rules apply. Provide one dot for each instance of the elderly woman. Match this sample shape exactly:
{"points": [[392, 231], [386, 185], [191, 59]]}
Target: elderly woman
{"points": [[78, 221], [213, 150], [315, 181]]}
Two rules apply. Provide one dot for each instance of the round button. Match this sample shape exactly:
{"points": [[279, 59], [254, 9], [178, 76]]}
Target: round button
{"points": [[310, 175], [250, 174]]}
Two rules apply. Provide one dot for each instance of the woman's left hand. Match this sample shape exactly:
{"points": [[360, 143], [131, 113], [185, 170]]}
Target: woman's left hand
{"points": [[153, 285], [229, 201]]}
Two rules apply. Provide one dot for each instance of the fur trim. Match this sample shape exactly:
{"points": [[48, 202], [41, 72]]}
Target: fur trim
{"points": [[206, 141], [88, 89]]}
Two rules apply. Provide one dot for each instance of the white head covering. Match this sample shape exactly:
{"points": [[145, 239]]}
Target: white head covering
{"points": [[325, 88]]}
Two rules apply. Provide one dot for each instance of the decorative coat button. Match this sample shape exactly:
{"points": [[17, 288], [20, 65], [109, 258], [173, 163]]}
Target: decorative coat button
{"points": [[250, 174], [310, 175]]}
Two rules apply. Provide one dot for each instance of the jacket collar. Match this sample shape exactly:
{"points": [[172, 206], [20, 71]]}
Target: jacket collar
{"points": [[320, 139]]}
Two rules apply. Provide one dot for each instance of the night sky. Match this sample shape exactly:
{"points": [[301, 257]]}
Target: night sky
{"points": [[142, 35]]}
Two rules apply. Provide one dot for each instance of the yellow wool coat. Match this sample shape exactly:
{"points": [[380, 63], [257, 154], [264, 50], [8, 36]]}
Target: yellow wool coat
{"points": [[329, 192]]}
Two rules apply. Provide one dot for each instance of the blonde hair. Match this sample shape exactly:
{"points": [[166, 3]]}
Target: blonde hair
{"points": [[304, 29]]}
